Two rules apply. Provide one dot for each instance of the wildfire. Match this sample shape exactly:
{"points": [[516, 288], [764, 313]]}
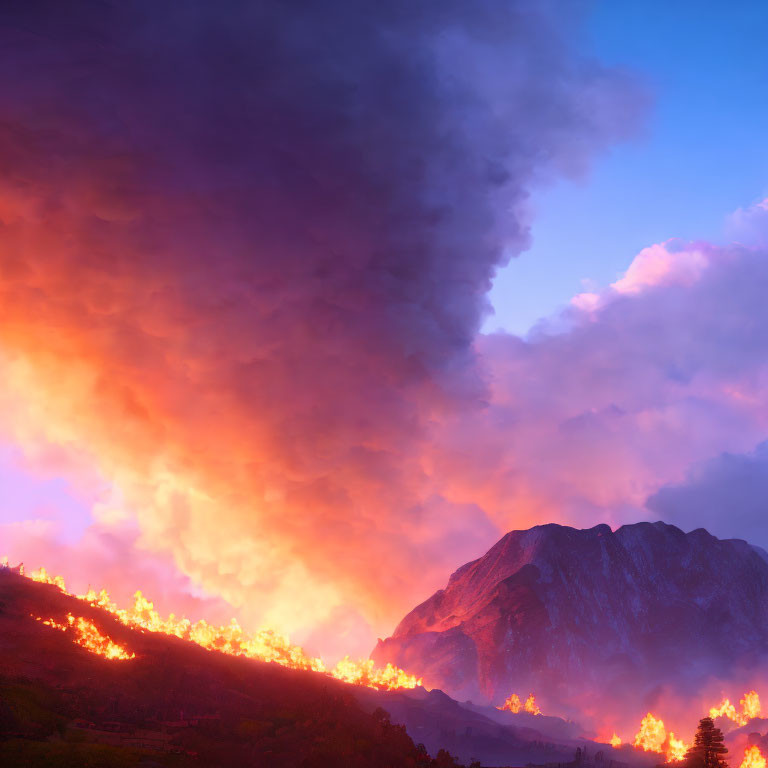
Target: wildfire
{"points": [[89, 637], [653, 737], [750, 707], [753, 758], [615, 741], [531, 705], [652, 734], [365, 673], [676, 749], [513, 704], [231, 639]]}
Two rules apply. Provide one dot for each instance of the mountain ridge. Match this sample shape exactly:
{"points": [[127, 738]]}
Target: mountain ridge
{"points": [[573, 613]]}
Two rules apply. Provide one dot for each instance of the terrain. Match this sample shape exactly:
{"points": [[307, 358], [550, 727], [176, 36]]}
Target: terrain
{"points": [[591, 620], [173, 703]]}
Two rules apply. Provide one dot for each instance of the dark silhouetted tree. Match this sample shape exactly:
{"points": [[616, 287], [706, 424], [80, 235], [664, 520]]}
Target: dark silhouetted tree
{"points": [[708, 750]]}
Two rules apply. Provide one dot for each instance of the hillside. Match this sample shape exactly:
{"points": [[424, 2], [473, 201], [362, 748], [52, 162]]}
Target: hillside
{"points": [[173, 703]]}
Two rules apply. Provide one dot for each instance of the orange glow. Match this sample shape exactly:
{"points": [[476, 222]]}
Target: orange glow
{"points": [[231, 639], [615, 741], [513, 704], [753, 758], [89, 637]]}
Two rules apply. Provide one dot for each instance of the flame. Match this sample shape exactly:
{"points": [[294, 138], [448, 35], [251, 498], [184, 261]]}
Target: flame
{"points": [[531, 705], [750, 707], [365, 673], [726, 709], [89, 637], [652, 734], [676, 749], [615, 741], [42, 575], [512, 704], [753, 758], [231, 639], [653, 737]]}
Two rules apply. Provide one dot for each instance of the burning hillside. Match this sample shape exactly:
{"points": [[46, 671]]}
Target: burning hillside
{"points": [[230, 639]]}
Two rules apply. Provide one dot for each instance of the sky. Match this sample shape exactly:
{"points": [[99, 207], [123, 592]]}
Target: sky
{"points": [[699, 155], [249, 256]]}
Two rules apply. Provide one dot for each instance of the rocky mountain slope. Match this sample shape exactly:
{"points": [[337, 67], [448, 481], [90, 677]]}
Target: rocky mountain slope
{"points": [[591, 618]]}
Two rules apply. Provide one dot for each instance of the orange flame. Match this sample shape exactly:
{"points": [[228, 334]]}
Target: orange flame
{"points": [[676, 749], [753, 758], [531, 705], [652, 734], [615, 741], [513, 704], [750, 707], [231, 639], [89, 637], [653, 737]]}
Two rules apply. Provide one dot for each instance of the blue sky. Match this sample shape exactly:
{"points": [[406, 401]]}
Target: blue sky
{"points": [[702, 154]]}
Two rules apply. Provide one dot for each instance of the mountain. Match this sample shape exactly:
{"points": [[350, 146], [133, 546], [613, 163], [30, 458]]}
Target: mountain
{"points": [[591, 619], [174, 703]]}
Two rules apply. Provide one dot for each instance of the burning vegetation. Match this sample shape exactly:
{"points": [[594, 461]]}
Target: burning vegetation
{"points": [[265, 645], [231, 639], [89, 637], [654, 737], [513, 704], [753, 758], [750, 708]]}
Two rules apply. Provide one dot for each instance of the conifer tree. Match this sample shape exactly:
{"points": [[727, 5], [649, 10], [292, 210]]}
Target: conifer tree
{"points": [[708, 750]]}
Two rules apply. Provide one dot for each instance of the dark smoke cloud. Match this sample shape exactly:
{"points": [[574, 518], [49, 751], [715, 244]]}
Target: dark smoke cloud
{"points": [[247, 247]]}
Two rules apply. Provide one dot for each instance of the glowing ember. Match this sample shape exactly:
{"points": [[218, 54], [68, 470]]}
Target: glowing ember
{"points": [[231, 639], [89, 637], [652, 734], [615, 741], [750, 707], [753, 758]]}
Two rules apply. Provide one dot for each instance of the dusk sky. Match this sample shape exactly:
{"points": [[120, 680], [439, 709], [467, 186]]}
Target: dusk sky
{"points": [[303, 309]]}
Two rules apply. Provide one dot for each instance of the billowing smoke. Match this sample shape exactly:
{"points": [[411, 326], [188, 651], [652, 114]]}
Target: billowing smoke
{"points": [[246, 248], [643, 385]]}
